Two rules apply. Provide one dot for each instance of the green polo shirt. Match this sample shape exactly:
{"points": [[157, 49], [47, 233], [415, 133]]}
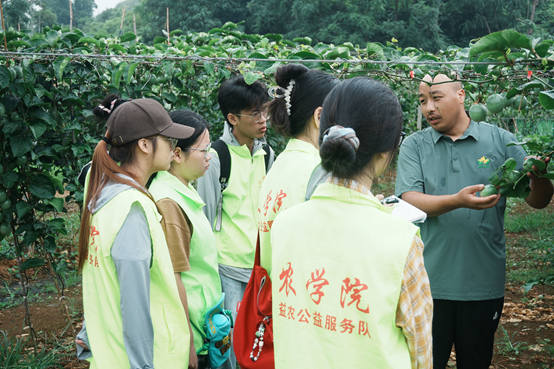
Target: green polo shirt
{"points": [[465, 254]]}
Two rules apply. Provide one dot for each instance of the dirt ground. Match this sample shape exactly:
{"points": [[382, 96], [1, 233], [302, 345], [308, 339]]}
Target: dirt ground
{"points": [[525, 338]]}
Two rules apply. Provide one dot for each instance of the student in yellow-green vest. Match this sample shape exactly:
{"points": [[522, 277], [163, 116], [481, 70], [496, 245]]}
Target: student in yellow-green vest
{"points": [[134, 316], [349, 286], [189, 235], [295, 113], [232, 199]]}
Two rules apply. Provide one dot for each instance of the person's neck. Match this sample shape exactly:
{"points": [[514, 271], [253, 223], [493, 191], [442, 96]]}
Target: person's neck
{"points": [[311, 137], [180, 178], [242, 140], [139, 173], [459, 128]]}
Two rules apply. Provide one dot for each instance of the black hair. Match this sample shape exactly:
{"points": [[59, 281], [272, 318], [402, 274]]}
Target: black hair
{"points": [[107, 104], [190, 119], [308, 93], [372, 110], [235, 95]]}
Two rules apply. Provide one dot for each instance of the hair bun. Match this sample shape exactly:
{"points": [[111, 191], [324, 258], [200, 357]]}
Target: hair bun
{"points": [[337, 156], [284, 74], [107, 106]]}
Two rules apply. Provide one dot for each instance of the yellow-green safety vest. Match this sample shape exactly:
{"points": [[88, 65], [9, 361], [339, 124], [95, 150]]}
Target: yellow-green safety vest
{"points": [[101, 295], [338, 264], [202, 282], [236, 242], [284, 186]]}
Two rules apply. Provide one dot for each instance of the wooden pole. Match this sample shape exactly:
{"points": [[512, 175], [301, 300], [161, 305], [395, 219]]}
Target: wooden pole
{"points": [[70, 16], [419, 118], [3, 28], [167, 24], [122, 18], [135, 27]]}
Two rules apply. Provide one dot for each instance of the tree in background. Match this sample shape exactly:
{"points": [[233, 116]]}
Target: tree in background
{"points": [[17, 12], [429, 24]]}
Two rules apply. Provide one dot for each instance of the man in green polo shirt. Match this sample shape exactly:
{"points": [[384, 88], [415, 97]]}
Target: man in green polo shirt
{"points": [[440, 170]]}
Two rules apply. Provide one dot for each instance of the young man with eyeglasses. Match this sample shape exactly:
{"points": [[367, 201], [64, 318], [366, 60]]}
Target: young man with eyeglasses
{"points": [[440, 170], [231, 207]]}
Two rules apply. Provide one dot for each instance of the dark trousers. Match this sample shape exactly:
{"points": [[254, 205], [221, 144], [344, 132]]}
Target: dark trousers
{"points": [[470, 327]]}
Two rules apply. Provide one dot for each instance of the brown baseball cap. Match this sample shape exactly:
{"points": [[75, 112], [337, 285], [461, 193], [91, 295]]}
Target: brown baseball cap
{"points": [[141, 118]]}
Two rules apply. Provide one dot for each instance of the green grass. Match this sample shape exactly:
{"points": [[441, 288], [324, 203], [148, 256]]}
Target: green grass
{"points": [[15, 353], [530, 243]]}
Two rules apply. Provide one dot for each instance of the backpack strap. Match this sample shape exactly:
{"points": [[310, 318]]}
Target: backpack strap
{"points": [[268, 156], [224, 172]]}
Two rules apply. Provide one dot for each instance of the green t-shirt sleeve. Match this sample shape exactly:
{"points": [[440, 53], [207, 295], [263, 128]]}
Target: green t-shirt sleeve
{"points": [[409, 175]]}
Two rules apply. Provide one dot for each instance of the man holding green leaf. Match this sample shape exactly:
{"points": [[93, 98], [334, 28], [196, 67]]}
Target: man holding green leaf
{"points": [[440, 170]]}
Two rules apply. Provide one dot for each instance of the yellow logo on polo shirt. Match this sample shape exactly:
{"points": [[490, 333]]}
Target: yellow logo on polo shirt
{"points": [[483, 162]]}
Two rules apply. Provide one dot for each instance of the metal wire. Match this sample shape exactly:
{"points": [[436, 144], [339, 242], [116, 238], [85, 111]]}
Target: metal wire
{"points": [[29, 55]]}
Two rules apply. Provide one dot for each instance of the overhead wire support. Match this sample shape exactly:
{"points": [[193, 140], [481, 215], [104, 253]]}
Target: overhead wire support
{"points": [[238, 60]]}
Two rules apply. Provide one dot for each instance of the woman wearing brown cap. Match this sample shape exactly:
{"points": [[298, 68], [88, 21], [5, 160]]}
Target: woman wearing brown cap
{"points": [[129, 291]]}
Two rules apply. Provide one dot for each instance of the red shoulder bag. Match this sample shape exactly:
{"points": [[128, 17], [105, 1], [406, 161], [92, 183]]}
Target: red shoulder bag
{"points": [[253, 332]]}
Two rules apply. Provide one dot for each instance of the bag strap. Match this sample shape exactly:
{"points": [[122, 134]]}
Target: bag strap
{"points": [[257, 257], [224, 162], [267, 156]]}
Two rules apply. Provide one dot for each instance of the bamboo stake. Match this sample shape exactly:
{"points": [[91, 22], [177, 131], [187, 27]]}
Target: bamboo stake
{"points": [[167, 24], [70, 16], [135, 27], [18, 27], [122, 18], [3, 28]]}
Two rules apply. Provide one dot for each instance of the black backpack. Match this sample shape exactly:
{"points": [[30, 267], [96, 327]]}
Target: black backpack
{"points": [[225, 171], [225, 161]]}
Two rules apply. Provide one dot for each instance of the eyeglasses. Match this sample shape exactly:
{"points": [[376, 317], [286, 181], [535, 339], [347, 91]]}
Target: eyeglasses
{"points": [[172, 141], [257, 116], [402, 137], [204, 150]]}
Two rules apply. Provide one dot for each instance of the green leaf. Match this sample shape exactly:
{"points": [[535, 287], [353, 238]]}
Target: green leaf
{"points": [[338, 52], [170, 96], [210, 67], [546, 98], [50, 244], [128, 36], [4, 77], [303, 40], [89, 40], [272, 36], [159, 40], [9, 178], [38, 129], [57, 203], [501, 41], [52, 37], [542, 49], [118, 74], [32, 263], [22, 208], [45, 117], [538, 163], [56, 181], [527, 286], [251, 77], [20, 145], [42, 187], [118, 47], [373, 48], [131, 70], [548, 175], [59, 66]]}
